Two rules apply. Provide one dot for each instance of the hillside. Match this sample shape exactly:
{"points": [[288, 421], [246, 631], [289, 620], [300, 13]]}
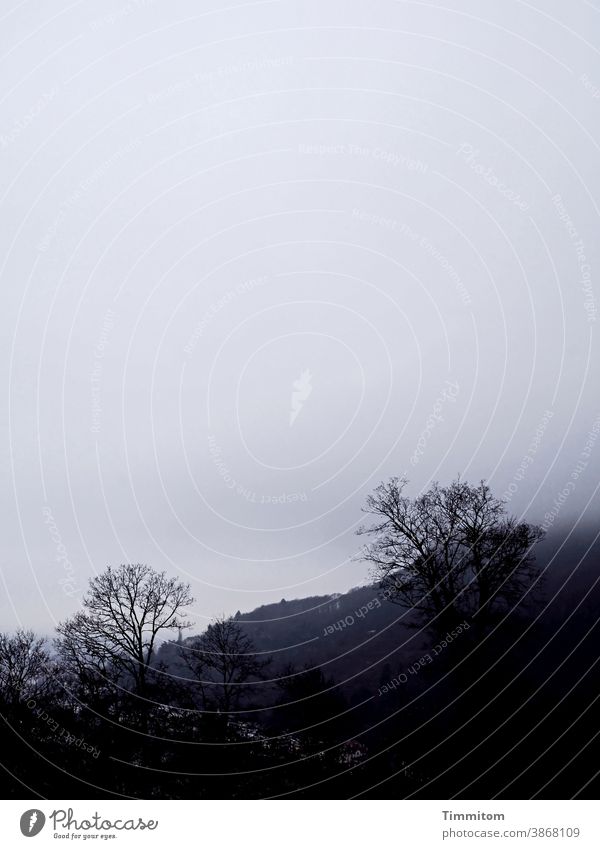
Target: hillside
{"points": [[360, 639], [357, 638]]}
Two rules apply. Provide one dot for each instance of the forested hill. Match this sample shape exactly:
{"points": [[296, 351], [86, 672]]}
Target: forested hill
{"points": [[357, 637], [360, 639]]}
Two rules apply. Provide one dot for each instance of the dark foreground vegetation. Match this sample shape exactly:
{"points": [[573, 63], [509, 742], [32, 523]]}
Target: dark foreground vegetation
{"points": [[468, 668]]}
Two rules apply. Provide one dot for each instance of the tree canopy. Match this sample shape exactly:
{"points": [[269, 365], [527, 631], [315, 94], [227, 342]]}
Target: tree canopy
{"points": [[449, 554], [124, 611]]}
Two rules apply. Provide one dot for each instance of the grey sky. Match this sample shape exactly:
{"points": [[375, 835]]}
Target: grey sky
{"points": [[257, 259]]}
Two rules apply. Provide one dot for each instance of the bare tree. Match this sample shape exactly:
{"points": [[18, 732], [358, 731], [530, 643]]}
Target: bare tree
{"points": [[224, 663], [87, 670], [450, 554], [124, 612], [25, 667]]}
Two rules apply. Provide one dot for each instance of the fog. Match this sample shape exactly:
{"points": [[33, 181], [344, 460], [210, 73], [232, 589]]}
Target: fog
{"points": [[257, 259]]}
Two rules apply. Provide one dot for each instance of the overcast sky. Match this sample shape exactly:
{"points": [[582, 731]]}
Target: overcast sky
{"points": [[257, 259]]}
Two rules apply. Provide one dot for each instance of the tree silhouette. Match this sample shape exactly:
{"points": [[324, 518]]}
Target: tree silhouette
{"points": [[450, 554], [25, 666], [115, 635], [224, 663]]}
